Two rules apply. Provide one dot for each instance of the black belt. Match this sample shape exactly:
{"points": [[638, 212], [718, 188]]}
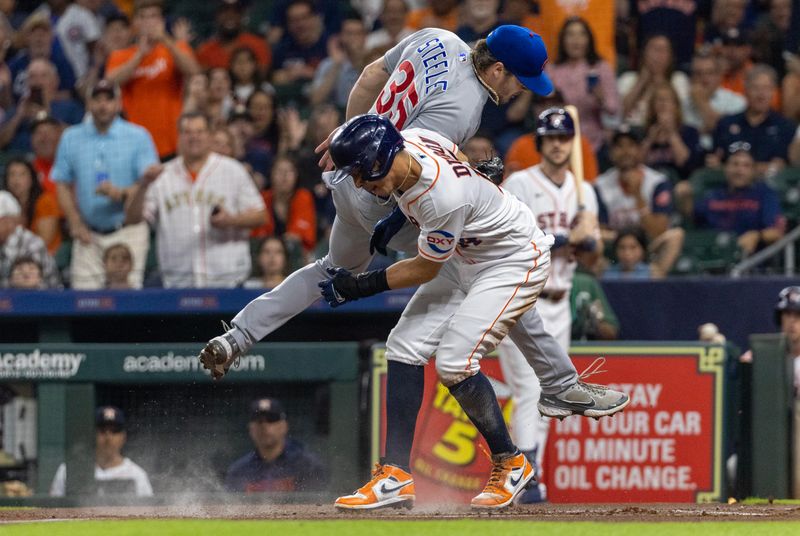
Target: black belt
{"points": [[104, 231], [553, 295]]}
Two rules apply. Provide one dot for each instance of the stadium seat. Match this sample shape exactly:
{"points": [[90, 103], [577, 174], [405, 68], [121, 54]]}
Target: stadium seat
{"points": [[704, 180], [787, 183], [707, 251]]}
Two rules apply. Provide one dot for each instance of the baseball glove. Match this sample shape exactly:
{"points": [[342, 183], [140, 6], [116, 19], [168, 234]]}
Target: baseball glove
{"points": [[492, 168]]}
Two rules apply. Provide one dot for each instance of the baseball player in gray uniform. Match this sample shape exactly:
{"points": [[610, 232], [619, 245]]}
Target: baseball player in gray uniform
{"points": [[430, 80]]}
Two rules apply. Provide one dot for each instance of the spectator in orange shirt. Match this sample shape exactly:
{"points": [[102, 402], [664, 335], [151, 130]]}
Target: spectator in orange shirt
{"points": [[736, 50], [45, 135], [216, 52], [40, 211], [438, 14], [290, 210], [151, 74], [598, 13], [523, 154]]}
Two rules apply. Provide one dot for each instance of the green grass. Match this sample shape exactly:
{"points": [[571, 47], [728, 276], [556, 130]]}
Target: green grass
{"points": [[462, 527], [759, 500]]}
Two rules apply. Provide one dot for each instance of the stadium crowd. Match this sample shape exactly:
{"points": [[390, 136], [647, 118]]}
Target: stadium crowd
{"points": [[171, 144]]}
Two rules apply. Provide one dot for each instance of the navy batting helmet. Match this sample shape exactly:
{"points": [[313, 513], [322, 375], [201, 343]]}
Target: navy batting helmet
{"points": [[788, 300], [366, 145], [553, 122]]}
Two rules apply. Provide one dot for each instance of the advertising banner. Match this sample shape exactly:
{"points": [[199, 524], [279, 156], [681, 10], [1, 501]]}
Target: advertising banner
{"points": [[665, 447]]}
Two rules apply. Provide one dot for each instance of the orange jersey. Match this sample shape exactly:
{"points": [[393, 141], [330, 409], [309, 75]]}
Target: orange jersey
{"points": [[153, 96], [301, 221], [43, 168], [213, 53], [598, 13], [47, 207], [523, 154]]}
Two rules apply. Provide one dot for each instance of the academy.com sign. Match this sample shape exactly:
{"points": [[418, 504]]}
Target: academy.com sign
{"points": [[40, 365], [172, 362]]}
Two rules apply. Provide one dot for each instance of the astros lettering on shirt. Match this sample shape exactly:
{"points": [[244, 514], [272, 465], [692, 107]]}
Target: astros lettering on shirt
{"points": [[432, 86], [754, 208], [555, 208], [460, 212]]}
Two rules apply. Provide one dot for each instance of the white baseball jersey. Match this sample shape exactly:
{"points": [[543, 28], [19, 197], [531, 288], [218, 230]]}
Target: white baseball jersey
{"points": [[555, 208], [127, 470], [191, 252], [458, 211], [432, 85], [500, 260], [620, 207]]}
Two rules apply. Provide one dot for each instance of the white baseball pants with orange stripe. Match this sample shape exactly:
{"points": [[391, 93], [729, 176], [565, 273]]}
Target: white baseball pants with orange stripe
{"points": [[463, 313], [356, 214]]}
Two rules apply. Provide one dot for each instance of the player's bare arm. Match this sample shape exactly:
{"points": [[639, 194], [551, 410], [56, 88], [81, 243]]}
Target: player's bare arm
{"points": [[362, 96], [411, 272], [367, 88]]}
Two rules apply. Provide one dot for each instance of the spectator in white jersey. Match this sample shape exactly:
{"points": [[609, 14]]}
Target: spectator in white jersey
{"points": [[202, 206], [114, 474], [630, 193]]}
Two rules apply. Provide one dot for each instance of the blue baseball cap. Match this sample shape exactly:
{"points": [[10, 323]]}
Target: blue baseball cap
{"points": [[109, 416], [523, 53]]}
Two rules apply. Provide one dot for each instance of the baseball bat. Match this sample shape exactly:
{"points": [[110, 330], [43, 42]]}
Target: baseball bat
{"points": [[576, 163], [576, 156]]}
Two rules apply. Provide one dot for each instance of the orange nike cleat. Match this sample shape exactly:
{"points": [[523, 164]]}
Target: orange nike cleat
{"points": [[509, 477], [390, 486]]}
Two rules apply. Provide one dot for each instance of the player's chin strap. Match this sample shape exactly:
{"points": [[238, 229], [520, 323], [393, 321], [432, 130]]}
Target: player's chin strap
{"points": [[492, 93]]}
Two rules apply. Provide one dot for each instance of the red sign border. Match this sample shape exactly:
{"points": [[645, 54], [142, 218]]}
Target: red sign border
{"points": [[710, 360]]}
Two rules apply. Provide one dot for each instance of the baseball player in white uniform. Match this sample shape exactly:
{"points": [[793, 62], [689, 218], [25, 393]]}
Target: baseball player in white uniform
{"points": [[202, 206], [481, 263], [549, 189]]}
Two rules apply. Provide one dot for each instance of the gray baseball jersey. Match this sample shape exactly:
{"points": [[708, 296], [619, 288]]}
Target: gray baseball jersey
{"points": [[432, 86]]}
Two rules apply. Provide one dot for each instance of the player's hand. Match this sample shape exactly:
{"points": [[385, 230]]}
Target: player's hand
{"points": [[384, 230], [338, 289], [326, 162]]}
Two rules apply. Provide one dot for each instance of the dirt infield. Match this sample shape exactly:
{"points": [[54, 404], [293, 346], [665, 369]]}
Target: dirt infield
{"points": [[547, 512]]}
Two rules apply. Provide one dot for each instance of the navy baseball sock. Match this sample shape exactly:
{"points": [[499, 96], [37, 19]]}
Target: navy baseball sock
{"points": [[477, 399], [405, 385]]}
